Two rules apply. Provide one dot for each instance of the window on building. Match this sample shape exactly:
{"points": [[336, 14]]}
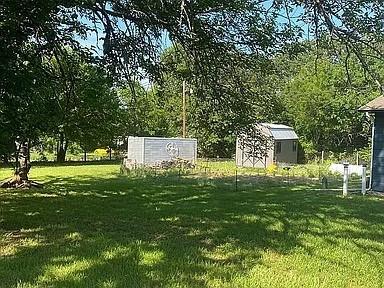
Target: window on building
{"points": [[294, 148], [278, 147]]}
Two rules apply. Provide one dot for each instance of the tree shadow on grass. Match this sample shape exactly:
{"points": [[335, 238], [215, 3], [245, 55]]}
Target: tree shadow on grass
{"points": [[164, 231]]}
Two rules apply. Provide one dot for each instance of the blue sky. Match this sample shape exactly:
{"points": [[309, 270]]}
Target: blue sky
{"points": [[91, 40]]}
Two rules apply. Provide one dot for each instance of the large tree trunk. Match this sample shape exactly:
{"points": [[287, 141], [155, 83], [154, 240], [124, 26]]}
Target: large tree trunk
{"points": [[23, 165], [62, 146]]}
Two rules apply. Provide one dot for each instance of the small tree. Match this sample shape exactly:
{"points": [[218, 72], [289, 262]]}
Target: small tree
{"points": [[87, 109]]}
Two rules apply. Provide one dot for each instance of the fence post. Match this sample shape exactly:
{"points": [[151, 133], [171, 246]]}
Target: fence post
{"points": [[364, 179], [345, 180], [236, 180], [324, 182], [289, 182]]}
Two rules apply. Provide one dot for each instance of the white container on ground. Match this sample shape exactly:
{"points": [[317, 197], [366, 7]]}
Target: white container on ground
{"points": [[352, 169]]}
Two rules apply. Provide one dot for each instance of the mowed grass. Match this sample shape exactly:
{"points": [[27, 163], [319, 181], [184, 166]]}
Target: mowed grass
{"points": [[91, 227]]}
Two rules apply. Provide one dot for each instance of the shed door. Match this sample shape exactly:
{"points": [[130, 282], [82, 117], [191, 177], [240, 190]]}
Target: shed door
{"points": [[378, 154]]}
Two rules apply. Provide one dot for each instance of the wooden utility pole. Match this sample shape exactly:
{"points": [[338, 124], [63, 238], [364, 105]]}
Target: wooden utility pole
{"points": [[184, 111]]}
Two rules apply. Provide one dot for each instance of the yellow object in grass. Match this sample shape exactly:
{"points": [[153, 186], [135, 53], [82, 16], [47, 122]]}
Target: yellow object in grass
{"points": [[100, 152], [272, 169]]}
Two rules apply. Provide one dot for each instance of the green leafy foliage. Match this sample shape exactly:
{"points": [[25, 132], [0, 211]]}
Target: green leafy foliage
{"points": [[144, 112], [322, 104], [223, 43], [85, 107]]}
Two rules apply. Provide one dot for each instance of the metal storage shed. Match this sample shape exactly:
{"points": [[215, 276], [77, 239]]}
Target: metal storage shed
{"points": [[376, 107], [151, 150], [282, 149]]}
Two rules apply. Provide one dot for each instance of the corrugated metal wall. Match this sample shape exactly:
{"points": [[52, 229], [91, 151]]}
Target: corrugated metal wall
{"points": [[149, 150], [378, 154], [135, 149]]}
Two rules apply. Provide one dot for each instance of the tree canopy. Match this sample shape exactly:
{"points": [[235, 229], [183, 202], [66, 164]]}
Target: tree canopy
{"points": [[133, 33], [228, 49], [321, 101]]}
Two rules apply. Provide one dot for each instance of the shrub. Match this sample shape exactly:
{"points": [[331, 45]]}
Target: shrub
{"points": [[101, 152]]}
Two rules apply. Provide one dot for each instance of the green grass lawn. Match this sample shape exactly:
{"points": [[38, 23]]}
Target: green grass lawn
{"points": [[91, 227]]}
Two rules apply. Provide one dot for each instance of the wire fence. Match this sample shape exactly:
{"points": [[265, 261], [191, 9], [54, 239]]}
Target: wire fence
{"points": [[224, 172]]}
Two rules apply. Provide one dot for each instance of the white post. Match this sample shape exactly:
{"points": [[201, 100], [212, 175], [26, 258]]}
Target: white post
{"points": [[322, 157], [364, 179], [345, 179]]}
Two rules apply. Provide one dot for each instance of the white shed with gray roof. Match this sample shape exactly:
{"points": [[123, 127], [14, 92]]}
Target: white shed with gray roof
{"points": [[282, 148]]}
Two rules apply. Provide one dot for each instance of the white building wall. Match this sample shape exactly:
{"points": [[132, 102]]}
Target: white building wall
{"points": [[287, 154], [155, 149], [242, 159], [149, 150], [135, 149]]}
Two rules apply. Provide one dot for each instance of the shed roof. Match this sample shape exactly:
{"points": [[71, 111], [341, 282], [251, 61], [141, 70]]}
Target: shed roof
{"points": [[374, 105], [281, 132]]}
